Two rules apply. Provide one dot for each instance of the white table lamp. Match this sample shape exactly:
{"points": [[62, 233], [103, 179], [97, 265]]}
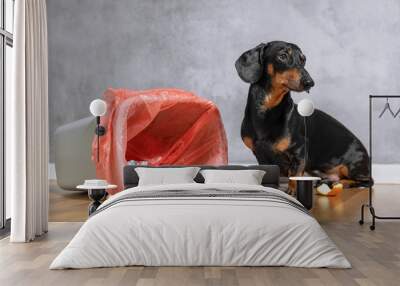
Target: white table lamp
{"points": [[98, 108], [305, 107]]}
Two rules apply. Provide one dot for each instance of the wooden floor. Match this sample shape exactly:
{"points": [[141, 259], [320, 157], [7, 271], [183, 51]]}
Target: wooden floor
{"points": [[375, 256], [67, 206], [71, 206]]}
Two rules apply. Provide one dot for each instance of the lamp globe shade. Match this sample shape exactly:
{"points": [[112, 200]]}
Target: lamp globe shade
{"points": [[305, 107], [98, 107]]}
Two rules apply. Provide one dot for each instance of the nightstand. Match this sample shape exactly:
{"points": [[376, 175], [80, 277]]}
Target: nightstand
{"points": [[304, 190], [97, 191]]}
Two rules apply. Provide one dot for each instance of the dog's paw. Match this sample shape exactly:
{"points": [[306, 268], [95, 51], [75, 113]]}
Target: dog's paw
{"points": [[291, 188], [291, 191]]}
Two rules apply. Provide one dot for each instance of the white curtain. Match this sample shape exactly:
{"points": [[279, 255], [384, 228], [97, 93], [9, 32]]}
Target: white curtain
{"points": [[27, 124]]}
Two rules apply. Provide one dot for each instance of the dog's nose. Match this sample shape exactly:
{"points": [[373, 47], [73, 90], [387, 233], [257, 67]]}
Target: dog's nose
{"points": [[308, 83]]}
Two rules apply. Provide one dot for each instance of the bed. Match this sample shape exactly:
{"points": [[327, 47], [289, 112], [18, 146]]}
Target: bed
{"points": [[199, 224]]}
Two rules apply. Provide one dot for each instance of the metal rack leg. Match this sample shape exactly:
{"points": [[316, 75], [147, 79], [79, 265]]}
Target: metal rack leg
{"points": [[361, 221], [372, 211], [374, 216]]}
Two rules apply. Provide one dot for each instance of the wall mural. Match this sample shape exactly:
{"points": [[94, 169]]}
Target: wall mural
{"points": [[195, 50], [273, 129], [175, 127]]}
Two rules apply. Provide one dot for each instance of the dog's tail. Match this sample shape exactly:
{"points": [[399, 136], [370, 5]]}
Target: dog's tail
{"points": [[362, 182]]}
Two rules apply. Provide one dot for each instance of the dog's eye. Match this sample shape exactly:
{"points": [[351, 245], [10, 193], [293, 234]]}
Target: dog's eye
{"points": [[302, 59], [283, 57]]}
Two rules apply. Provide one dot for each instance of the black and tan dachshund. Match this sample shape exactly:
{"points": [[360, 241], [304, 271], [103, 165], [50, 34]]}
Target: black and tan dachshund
{"points": [[274, 130]]}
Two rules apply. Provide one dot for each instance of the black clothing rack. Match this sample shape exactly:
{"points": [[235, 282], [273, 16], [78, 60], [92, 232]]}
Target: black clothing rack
{"points": [[370, 205]]}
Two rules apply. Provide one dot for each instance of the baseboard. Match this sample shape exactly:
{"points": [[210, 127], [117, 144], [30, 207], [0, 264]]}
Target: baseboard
{"points": [[52, 171], [382, 173], [386, 173]]}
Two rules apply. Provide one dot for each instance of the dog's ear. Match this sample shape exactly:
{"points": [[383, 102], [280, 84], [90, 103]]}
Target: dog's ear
{"points": [[250, 64]]}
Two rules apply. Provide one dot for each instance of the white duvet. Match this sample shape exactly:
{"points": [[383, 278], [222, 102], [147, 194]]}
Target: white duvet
{"points": [[200, 231]]}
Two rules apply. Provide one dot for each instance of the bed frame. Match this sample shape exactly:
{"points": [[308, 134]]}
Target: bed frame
{"points": [[270, 179]]}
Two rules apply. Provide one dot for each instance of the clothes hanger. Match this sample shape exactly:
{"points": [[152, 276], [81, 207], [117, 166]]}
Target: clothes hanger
{"points": [[387, 107], [397, 113]]}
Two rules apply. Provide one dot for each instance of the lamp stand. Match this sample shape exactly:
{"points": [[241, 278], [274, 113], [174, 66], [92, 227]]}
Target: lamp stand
{"points": [[100, 131], [305, 143]]}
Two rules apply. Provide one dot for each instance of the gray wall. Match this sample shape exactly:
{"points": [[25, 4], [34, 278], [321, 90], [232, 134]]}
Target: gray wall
{"points": [[352, 47]]}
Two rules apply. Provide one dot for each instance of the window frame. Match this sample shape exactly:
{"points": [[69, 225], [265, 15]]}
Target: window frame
{"points": [[6, 39]]}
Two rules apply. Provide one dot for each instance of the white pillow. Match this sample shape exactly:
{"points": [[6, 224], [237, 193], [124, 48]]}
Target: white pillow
{"points": [[165, 176], [248, 177]]}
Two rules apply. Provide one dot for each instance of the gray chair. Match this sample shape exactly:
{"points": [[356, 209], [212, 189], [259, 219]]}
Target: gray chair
{"points": [[73, 150]]}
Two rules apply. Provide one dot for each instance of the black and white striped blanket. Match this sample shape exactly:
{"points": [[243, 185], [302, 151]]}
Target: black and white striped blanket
{"points": [[206, 194]]}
